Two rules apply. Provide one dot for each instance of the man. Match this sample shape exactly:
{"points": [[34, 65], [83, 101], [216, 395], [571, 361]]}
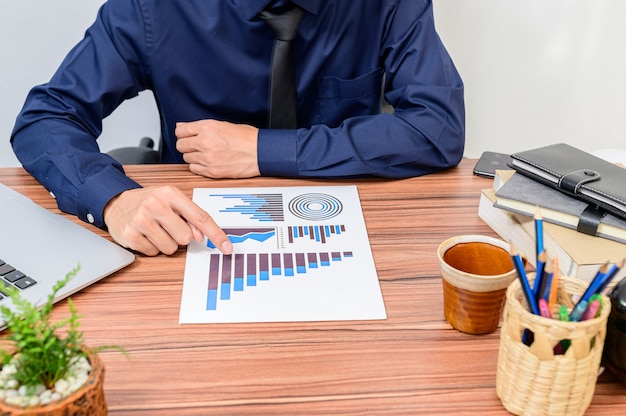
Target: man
{"points": [[208, 64]]}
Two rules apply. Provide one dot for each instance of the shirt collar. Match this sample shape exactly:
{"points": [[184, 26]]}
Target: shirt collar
{"points": [[252, 7]]}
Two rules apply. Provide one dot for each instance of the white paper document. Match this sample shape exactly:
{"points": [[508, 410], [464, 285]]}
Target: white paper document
{"points": [[300, 254]]}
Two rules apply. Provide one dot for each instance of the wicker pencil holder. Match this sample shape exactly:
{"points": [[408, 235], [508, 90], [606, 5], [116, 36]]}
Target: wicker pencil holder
{"points": [[539, 379]]}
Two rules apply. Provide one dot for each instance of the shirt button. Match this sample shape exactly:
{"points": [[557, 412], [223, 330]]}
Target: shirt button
{"points": [[90, 218]]}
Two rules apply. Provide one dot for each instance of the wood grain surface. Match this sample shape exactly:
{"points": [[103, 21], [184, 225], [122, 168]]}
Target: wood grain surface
{"points": [[412, 363]]}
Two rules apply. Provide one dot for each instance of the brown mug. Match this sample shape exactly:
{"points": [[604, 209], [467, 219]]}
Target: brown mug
{"points": [[476, 271]]}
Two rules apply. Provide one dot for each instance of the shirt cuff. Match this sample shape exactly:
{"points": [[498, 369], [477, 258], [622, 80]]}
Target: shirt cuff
{"points": [[276, 151], [98, 191]]}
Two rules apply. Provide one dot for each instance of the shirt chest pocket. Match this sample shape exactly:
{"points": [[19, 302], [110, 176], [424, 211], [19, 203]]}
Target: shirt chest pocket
{"points": [[339, 98]]}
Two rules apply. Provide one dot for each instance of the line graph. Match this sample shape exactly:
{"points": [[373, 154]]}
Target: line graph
{"points": [[241, 235]]}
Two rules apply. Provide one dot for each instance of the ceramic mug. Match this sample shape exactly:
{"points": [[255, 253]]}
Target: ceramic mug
{"points": [[476, 271]]}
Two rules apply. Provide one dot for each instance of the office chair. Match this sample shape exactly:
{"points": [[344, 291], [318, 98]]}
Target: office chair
{"points": [[141, 155]]}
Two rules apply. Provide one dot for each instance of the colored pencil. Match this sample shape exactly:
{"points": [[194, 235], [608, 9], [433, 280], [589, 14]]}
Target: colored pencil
{"points": [[521, 274]]}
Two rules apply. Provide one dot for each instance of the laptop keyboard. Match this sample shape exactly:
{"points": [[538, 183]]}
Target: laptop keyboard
{"points": [[13, 277]]}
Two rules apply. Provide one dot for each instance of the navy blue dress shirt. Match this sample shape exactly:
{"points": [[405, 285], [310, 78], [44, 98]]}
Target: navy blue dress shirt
{"points": [[210, 59]]}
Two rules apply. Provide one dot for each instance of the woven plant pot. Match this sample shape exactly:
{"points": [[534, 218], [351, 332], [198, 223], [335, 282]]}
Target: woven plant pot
{"points": [[537, 380], [88, 400]]}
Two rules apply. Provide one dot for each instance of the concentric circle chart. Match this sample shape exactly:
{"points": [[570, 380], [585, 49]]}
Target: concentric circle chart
{"points": [[315, 206]]}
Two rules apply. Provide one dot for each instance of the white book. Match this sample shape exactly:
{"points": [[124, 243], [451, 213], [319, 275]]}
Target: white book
{"points": [[523, 195], [579, 255]]}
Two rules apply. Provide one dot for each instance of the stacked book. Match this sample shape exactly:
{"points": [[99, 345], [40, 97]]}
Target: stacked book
{"points": [[581, 246]]}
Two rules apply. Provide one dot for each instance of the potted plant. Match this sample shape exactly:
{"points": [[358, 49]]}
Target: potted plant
{"points": [[47, 369]]}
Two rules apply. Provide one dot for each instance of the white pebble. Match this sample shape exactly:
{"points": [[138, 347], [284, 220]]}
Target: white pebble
{"points": [[11, 384], [11, 392], [61, 386], [45, 395], [32, 400], [9, 369], [15, 400]]}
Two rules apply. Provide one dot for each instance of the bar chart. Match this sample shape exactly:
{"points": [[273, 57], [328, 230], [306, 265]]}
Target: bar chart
{"points": [[261, 207], [228, 274], [318, 233]]}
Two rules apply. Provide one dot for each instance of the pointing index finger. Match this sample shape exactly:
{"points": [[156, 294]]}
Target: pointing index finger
{"points": [[203, 222]]}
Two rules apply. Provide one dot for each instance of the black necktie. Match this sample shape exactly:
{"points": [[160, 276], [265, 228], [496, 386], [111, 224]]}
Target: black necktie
{"points": [[282, 114]]}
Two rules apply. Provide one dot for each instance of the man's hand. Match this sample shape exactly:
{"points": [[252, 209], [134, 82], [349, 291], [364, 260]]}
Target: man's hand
{"points": [[218, 149], [160, 219]]}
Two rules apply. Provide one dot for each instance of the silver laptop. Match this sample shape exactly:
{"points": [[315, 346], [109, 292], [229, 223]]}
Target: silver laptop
{"points": [[38, 248]]}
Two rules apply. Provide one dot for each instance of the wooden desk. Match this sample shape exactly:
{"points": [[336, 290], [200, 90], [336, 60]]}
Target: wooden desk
{"points": [[412, 363]]}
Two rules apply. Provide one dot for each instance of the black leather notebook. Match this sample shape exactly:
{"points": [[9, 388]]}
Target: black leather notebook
{"points": [[576, 173]]}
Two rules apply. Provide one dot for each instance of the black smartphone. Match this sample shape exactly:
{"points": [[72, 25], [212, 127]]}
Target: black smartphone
{"points": [[489, 162]]}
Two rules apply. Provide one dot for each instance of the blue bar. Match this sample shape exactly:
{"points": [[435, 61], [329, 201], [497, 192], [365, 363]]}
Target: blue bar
{"points": [[251, 280], [317, 234], [300, 263], [211, 301], [327, 230], [225, 295], [264, 266], [288, 264], [239, 263], [276, 267], [252, 268]]}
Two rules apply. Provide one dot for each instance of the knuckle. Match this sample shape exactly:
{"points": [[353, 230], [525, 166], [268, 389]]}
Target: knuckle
{"points": [[149, 250], [203, 217], [169, 189], [169, 249]]}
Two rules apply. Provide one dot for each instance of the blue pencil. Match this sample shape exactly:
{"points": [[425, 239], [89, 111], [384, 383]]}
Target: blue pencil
{"points": [[521, 274], [539, 274], [547, 281], [608, 277], [593, 286], [595, 282], [578, 311], [538, 233]]}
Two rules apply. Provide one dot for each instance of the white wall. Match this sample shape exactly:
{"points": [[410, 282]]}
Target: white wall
{"points": [[539, 71], [535, 71], [35, 35]]}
